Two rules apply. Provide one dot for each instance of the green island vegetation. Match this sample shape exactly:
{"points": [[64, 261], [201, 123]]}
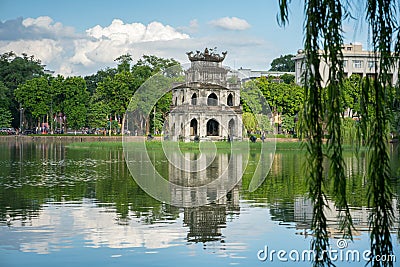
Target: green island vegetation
{"points": [[192, 146]]}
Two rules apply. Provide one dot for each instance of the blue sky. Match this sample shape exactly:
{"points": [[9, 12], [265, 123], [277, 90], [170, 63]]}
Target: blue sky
{"points": [[65, 35]]}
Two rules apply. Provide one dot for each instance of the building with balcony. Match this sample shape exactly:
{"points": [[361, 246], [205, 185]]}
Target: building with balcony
{"points": [[355, 61]]}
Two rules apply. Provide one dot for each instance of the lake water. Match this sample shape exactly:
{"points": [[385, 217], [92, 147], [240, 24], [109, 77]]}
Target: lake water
{"points": [[65, 206]]}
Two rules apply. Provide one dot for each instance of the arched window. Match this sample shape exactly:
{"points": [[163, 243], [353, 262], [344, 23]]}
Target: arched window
{"points": [[194, 99], [176, 101], [193, 127], [183, 99], [229, 101], [212, 128], [212, 100]]}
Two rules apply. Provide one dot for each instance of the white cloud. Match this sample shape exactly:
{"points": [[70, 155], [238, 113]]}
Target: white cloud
{"points": [[104, 44], [46, 49], [45, 26], [231, 23], [135, 32]]}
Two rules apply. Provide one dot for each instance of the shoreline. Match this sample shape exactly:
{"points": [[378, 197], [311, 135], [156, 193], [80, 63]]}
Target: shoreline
{"points": [[108, 142], [102, 138]]}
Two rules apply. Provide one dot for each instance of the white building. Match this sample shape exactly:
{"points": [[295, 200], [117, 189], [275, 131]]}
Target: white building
{"points": [[250, 74], [355, 61]]}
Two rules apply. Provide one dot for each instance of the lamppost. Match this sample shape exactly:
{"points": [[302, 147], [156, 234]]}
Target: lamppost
{"points": [[21, 111], [109, 133]]}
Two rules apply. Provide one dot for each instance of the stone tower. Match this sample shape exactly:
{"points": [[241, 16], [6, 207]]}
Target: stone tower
{"points": [[206, 106]]}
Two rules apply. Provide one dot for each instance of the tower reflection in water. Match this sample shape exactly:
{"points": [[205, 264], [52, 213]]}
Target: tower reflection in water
{"points": [[196, 173]]}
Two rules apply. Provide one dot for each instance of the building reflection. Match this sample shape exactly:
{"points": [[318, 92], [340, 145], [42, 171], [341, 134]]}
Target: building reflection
{"points": [[303, 214], [205, 222], [199, 171], [286, 193]]}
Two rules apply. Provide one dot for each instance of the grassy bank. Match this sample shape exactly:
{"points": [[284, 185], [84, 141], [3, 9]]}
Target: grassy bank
{"points": [[156, 145], [221, 146]]}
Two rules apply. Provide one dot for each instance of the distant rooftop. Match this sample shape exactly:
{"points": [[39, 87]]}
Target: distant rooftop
{"points": [[346, 50]]}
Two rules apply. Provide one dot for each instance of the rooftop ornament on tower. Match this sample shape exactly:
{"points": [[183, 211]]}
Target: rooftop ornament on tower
{"points": [[207, 55]]}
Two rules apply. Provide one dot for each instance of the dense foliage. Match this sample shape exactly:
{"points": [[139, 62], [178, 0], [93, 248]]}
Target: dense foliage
{"points": [[283, 99]]}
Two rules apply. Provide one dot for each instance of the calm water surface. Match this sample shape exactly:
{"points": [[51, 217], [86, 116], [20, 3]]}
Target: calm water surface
{"points": [[64, 206]]}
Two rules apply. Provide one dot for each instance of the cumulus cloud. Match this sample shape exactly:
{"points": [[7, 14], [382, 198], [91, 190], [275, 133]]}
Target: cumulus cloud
{"points": [[46, 49], [104, 44], [46, 26], [34, 29], [231, 23], [135, 32]]}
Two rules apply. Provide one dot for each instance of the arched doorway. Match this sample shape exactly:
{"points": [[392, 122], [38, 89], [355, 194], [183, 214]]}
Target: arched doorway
{"points": [[231, 128], [212, 128], [193, 127], [229, 101], [212, 100], [194, 99]]}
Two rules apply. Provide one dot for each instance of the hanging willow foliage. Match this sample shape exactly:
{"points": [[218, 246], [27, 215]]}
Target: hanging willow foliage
{"points": [[323, 106], [381, 16]]}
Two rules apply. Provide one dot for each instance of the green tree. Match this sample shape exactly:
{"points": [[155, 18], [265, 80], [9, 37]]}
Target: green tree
{"points": [[169, 71], [288, 123], [98, 114], [116, 93], [287, 78], [93, 80], [5, 117], [142, 105], [14, 71], [124, 63], [75, 98], [5, 101], [352, 92], [249, 121], [156, 64], [283, 63], [283, 99], [35, 98]]}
